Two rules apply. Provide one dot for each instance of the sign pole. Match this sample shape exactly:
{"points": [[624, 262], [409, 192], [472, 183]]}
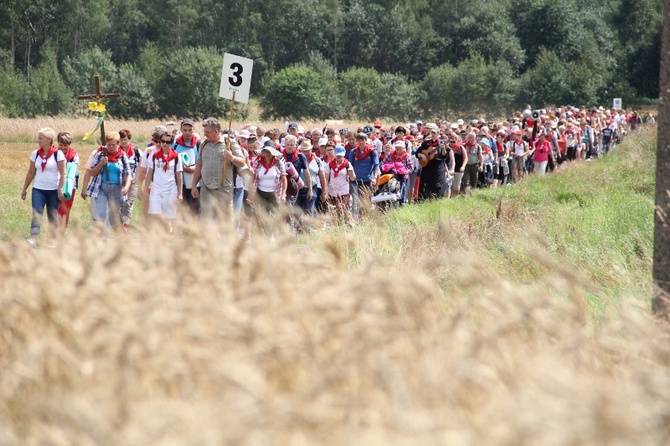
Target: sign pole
{"points": [[235, 85], [230, 129]]}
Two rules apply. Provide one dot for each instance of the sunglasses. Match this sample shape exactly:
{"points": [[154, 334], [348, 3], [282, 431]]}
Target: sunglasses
{"points": [[169, 141]]}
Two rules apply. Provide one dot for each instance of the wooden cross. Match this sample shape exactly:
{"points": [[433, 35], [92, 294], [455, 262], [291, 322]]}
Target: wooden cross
{"points": [[99, 96]]}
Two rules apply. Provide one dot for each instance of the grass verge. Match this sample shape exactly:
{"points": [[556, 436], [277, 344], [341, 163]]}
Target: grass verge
{"points": [[592, 220]]}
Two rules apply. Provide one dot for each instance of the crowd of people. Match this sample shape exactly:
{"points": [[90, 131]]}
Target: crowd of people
{"points": [[256, 176]]}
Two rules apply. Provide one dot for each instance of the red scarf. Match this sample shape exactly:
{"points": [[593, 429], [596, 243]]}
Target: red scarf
{"points": [[367, 150], [310, 158], [252, 157], [159, 155], [294, 156], [335, 168], [112, 157], [130, 151], [398, 159], [180, 141], [70, 153], [268, 166], [46, 157]]}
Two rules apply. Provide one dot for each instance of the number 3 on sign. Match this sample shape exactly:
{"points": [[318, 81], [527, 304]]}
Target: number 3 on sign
{"points": [[236, 77]]}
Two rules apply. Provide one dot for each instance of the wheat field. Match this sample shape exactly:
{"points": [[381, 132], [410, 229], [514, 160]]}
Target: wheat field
{"points": [[206, 339], [338, 339]]}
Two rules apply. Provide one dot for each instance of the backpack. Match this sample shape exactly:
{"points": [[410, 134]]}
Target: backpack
{"points": [[137, 161]]}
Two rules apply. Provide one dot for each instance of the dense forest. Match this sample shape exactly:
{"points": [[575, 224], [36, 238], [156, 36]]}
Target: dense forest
{"points": [[328, 58]]}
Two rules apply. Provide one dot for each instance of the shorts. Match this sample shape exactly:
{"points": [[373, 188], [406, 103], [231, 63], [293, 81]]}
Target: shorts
{"points": [[449, 183], [165, 205], [518, 165]]}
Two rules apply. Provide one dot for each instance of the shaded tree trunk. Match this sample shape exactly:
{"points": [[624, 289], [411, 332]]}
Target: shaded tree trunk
{"points": [[661, 271], [13, 58]]}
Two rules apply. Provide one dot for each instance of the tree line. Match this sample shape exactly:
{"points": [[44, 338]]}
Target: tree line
{"points": [[328, 58]]}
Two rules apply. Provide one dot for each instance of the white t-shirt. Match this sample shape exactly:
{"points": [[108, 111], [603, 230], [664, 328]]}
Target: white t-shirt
{"points": [[144, 158], [48, 178], [91, 158], [266, 180], [338, 185], [239, 181], [518, 149], [378, 144], [315, 168], [164, 181], [621, 119]]}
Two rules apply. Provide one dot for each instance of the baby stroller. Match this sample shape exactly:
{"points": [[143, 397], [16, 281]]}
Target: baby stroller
{"points": [[390, 186]]}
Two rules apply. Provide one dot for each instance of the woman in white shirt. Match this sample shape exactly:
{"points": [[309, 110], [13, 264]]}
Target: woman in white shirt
{"points": [[339, 173], [316, 173], [47, 168], [268, 184], [164, 177]]}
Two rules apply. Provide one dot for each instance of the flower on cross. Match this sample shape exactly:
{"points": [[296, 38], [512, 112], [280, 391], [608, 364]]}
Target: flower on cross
{"points": [[100, 109], [96, 107]]}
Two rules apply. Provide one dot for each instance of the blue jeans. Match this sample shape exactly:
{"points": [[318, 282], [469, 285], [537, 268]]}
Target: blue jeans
{"points": [[308, 206], [403, 191], [41, 198], [238, 201], [108, 204], [357, 189]]}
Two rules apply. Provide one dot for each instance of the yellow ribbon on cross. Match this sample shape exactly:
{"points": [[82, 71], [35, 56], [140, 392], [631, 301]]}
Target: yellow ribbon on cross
{"points": [[99, 108]]}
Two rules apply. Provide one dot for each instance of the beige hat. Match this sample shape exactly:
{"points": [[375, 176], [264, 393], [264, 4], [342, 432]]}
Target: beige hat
{"points": [[305, 145]]}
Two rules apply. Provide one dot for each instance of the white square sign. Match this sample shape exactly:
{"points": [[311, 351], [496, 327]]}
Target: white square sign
{"points": [[236, 78], [616, 103]]}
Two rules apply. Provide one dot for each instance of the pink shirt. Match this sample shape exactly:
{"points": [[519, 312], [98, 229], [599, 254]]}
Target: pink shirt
{"points": [[541, 151]]}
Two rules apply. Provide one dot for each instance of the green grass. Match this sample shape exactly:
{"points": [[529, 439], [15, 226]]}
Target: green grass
{"points": [[592, 221]]}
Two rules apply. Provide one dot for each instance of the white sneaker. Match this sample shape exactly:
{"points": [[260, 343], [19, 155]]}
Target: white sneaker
{"points": [[32, 242]]}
